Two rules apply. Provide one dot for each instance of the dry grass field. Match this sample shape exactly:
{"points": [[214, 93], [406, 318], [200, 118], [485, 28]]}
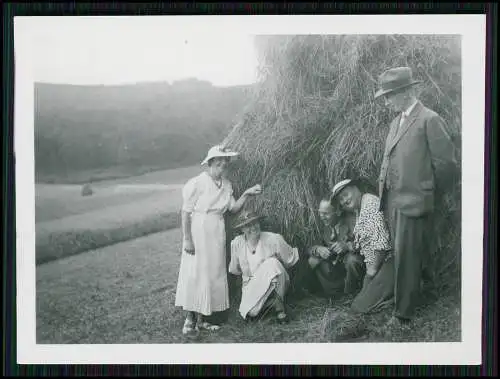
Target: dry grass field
{"points": [[120, 289], [125, 294]]}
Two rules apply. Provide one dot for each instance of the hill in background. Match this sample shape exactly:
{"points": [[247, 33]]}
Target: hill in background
{"points": [[87, 133]]}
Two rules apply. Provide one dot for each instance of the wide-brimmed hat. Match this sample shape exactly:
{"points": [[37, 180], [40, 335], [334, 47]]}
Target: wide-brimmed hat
{"points": [[395, 79], [339, 187], [245, 218], [218, 151]]}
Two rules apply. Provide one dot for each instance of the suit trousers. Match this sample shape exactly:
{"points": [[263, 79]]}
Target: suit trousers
{"points": [[412, 239]]}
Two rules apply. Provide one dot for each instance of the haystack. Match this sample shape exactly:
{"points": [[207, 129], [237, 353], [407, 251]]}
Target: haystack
{"points": [[87, 190], [313, 121]]}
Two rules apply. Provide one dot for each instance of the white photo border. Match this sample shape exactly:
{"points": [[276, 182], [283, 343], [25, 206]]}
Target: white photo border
{"points": [[472, 28]]}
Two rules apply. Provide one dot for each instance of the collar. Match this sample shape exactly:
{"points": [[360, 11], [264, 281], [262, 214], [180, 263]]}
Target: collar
{"points": [[410, 108]]}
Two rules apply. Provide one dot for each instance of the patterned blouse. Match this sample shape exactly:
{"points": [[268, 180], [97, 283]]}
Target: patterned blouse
{"points": [[371, 236]]}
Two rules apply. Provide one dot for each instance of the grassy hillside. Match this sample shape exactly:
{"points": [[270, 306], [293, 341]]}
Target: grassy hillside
{"points": [[94, 132]]}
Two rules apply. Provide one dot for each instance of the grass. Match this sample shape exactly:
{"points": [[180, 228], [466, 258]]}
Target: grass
{"points": [[54, 201], [68, 223], [125, 293], [106, 174]]}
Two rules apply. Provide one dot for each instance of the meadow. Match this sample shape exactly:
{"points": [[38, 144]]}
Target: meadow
{"points": [[68, 223], [123, 290], [125, 293]]}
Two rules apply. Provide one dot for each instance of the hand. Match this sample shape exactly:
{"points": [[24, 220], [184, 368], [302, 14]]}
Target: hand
{"points": [[255, 190], [339, 247], [324, 253], [189, 247]]}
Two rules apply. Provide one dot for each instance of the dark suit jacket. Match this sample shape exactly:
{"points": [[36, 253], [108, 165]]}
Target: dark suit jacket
{"points": [[417, 157]]}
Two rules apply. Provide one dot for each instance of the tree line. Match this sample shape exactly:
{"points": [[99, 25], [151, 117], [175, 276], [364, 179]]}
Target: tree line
{"points": [[130, 128]]}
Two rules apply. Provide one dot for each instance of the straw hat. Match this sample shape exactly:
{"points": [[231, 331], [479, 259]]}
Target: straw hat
{"points": [[246, 218], [218, 151], [395, 79], [339, 187]]}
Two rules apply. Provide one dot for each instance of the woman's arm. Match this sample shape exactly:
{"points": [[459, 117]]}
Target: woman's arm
{"points": [[190, 195], [376, 237], [237, 205], [186, 232], [285, 253]]}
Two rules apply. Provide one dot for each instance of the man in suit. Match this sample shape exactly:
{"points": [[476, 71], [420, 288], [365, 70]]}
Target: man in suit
{"points": [[419, 158]]}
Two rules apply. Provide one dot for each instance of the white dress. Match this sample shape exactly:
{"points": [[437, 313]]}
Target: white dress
{"points": [[263, 270], [202, 284]]}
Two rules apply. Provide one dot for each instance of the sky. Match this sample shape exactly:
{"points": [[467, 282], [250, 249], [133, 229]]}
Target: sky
{"points": [[90, 51]]}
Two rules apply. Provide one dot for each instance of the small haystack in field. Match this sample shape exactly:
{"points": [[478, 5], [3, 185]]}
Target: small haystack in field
{"points": [[87, 190], [313, 121]]}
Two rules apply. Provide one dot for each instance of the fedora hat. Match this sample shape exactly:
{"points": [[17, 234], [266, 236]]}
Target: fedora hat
{"points": [[395, 79], [218, 151], [245, 218], [339, 187]]}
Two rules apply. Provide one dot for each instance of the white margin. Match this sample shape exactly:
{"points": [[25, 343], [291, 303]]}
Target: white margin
{"points": [[468, 352]]}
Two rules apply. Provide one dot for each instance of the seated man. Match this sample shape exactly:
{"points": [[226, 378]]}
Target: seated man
{"points": [[262, 259], [337, 274]]}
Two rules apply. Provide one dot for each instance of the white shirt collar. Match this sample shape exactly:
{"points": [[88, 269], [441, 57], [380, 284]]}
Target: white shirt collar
{"points": [[409, 109]]}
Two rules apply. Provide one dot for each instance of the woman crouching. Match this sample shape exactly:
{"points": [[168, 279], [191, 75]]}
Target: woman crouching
{"points": [[372, 241], [261, 258]]}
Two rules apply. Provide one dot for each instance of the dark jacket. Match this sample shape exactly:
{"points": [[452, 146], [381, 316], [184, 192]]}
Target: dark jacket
{"points": [[418, 157]]}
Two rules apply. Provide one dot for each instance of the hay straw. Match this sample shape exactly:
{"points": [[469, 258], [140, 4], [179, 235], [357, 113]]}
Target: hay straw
{"points": [[313, 121]]}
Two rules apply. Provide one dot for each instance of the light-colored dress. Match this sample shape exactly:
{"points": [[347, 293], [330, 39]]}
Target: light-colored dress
{"points": [[202, 284], [262, 271]]}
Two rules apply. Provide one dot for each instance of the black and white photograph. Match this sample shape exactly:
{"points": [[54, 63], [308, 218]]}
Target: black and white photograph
{"points": [[250, 189]]}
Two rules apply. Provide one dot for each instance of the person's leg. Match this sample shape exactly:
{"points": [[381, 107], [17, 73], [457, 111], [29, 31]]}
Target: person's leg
{"points": [[377, 292], [280, 289], [331, 278], [427, 288], [303, 280], [391, 216], [265, 304], [201, 323], [355, 270], [409, 249], [189, 323]]}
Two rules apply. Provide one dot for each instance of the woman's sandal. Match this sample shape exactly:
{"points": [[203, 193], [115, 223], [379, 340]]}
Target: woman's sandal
{"points": [[189, 327], [207, 326]]}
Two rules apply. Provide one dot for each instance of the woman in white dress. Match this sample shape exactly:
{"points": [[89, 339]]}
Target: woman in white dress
{"points": [[202, 286], [262, 259]]}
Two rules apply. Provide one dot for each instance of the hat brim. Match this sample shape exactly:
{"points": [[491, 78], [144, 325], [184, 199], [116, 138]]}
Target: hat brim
{"points": [[339, 189], [221, 155], [382, 92], [246, 222]]}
